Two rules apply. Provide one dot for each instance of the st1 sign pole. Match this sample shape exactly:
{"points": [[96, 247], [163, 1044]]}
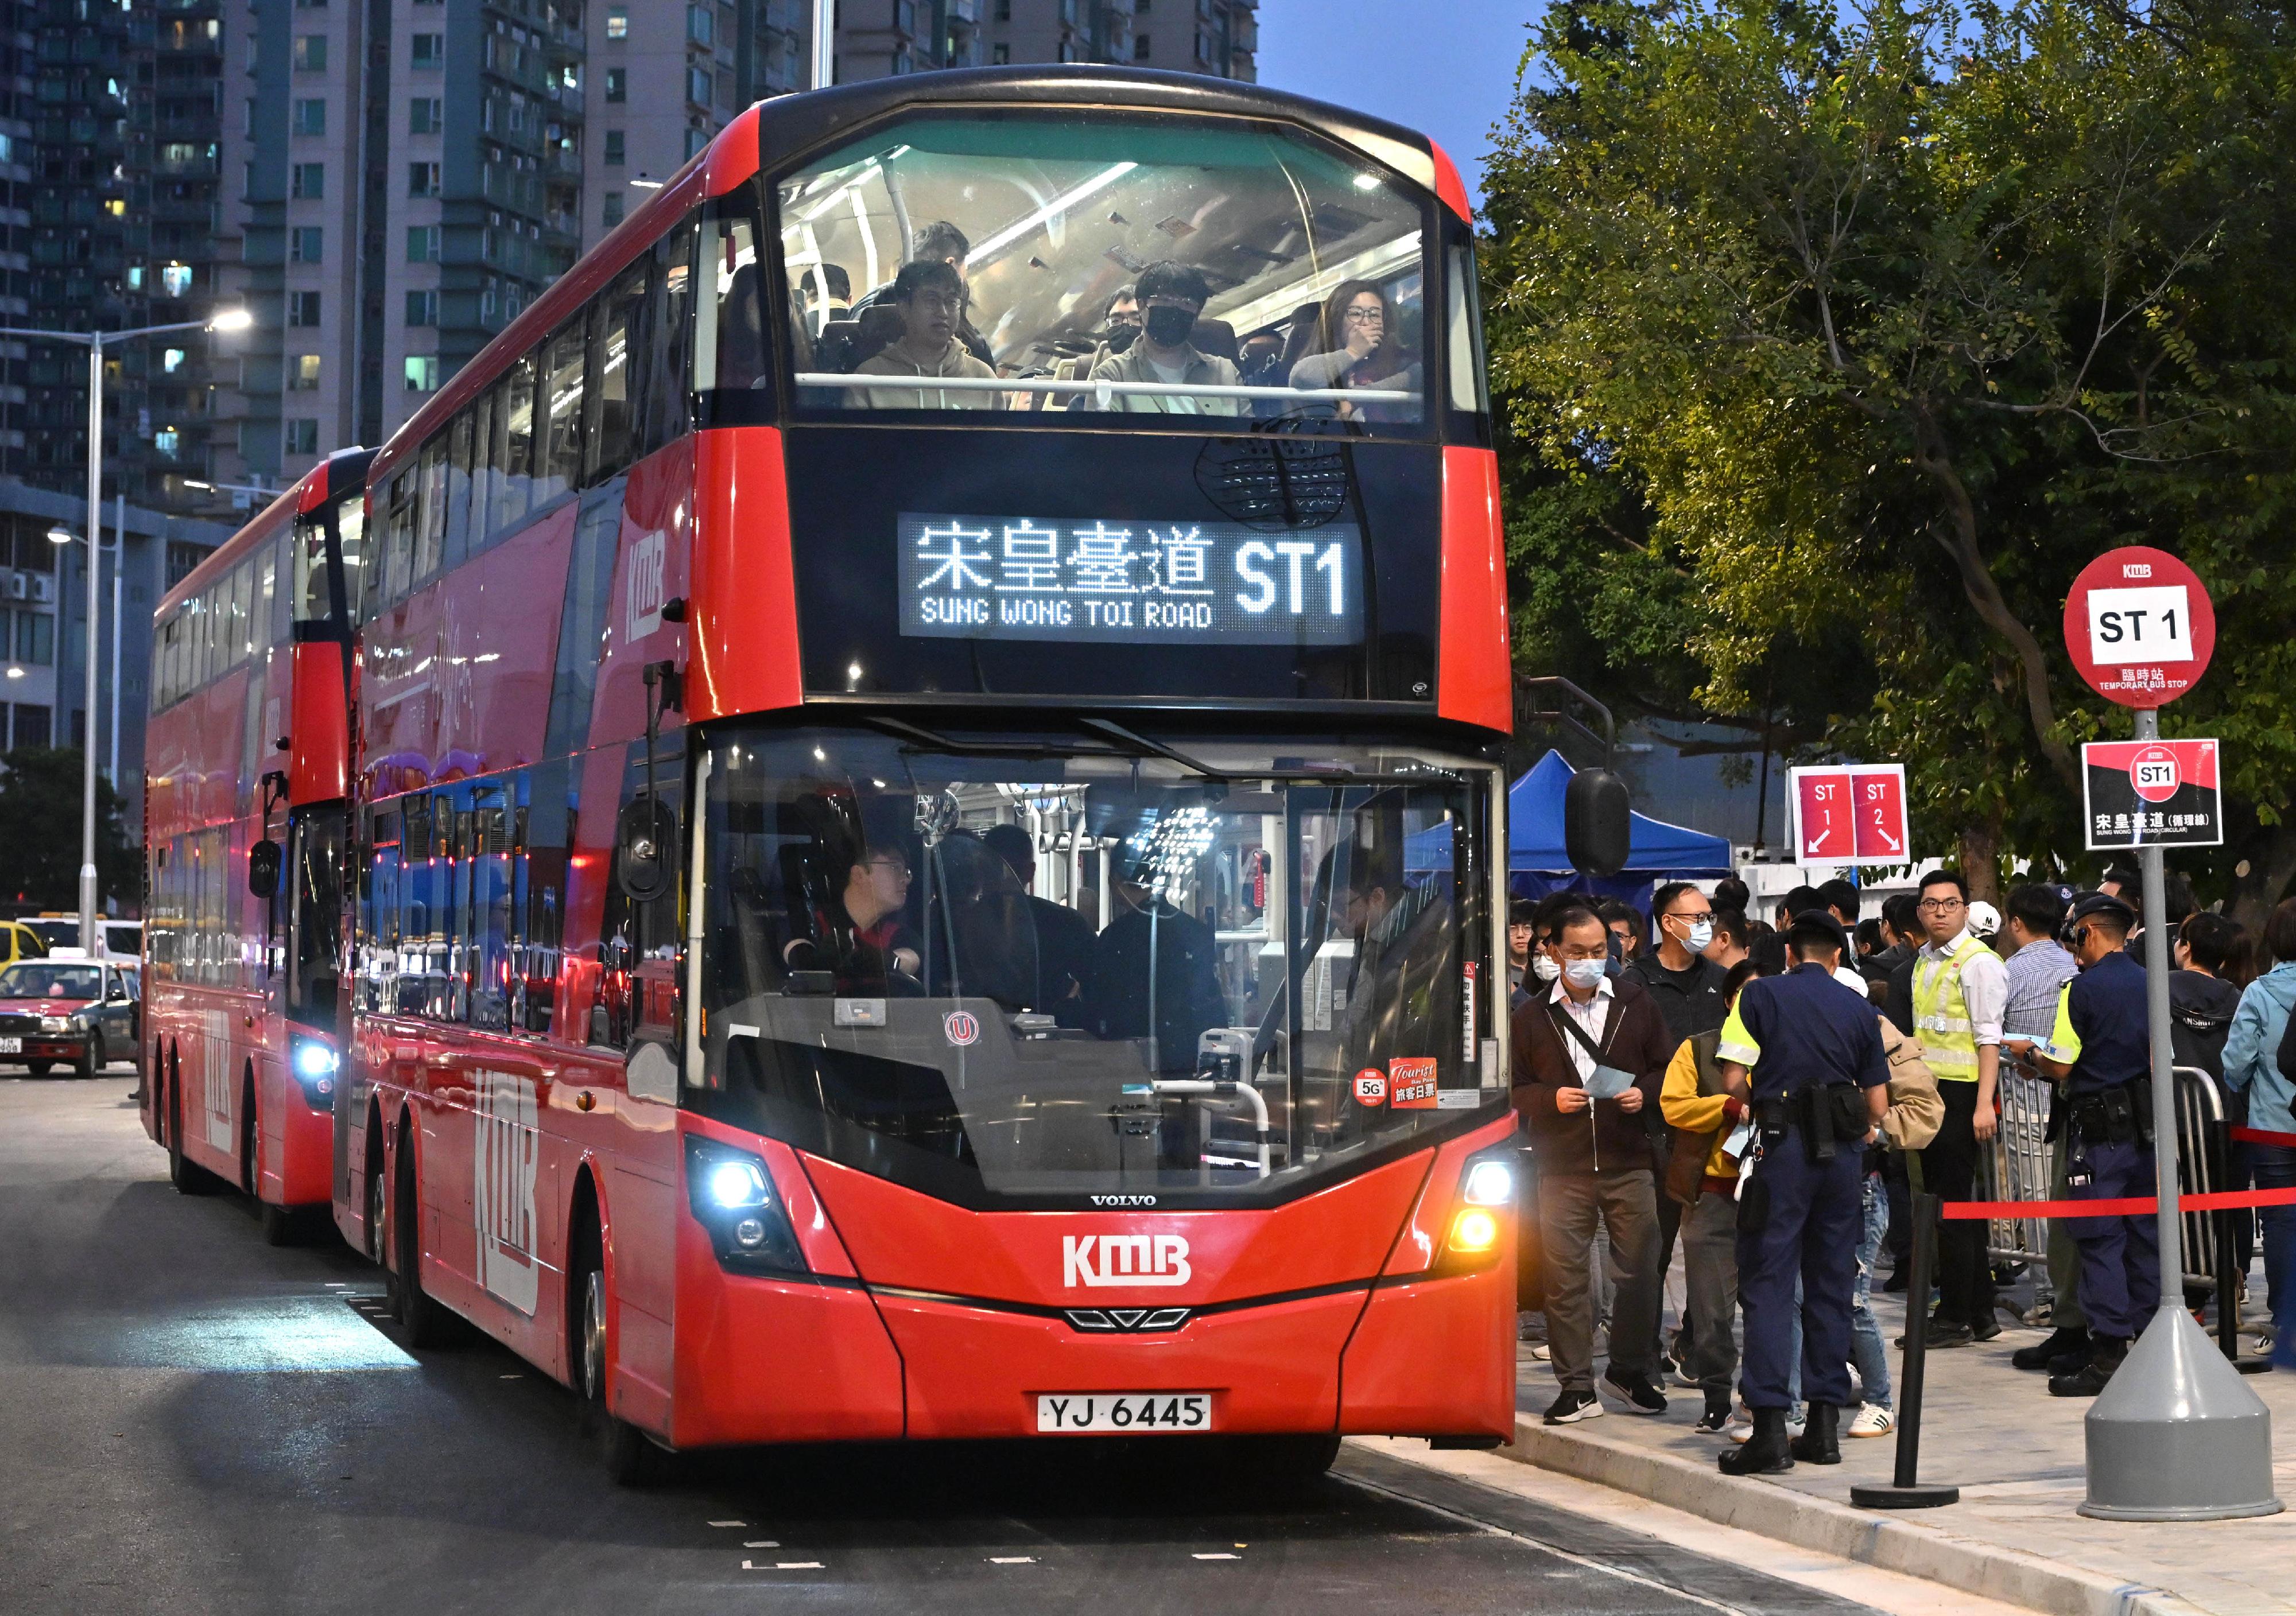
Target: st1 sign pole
{"points": [[2175, 1435]]}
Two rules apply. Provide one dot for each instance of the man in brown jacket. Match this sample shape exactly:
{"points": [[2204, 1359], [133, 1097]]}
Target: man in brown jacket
{"points": [[1589, 1056]]}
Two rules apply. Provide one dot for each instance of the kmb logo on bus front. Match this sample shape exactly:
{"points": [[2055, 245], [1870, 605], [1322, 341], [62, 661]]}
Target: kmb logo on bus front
{"points": [[1143, 1260]]}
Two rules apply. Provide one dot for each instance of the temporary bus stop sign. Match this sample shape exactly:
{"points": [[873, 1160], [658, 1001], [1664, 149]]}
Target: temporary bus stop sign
{"points": [[2139, 626]]}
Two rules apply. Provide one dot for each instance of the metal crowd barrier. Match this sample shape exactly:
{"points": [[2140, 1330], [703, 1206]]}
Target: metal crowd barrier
{"points": [[2017, 1169]]}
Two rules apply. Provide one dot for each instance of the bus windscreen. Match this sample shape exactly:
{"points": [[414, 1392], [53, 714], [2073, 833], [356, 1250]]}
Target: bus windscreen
{"points": [[1086, 262], [1039, 966]]}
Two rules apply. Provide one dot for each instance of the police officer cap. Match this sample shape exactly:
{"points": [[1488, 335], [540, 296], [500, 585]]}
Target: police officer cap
{"points": [[1817, 925], [2101, 903]]}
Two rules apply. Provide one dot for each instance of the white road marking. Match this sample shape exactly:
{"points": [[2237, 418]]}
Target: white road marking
{"points": [[1011, 1559], [731, 1523], [511, 1377], [762, 1543], [1222, 1556]]}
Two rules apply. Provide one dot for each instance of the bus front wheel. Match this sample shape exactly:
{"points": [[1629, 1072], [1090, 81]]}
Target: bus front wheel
{"points": [[633, 1458]]}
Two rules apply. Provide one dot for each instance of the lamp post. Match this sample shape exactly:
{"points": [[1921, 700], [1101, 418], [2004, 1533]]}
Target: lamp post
{"points": [[95, 342]]}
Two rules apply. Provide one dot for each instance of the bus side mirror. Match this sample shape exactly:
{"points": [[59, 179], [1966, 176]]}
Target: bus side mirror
{"points": [[645, 849], [263, 863], [1596, 822]]}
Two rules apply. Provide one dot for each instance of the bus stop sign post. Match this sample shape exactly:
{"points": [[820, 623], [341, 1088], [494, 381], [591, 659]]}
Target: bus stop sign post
{"points": [[2175, 1435]]}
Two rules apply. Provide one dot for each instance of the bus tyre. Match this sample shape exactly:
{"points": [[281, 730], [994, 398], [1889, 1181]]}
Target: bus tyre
{"points": [[188, 1177], [633, 1458], [421, 1319], [1287, 1463], [280, 1224]]}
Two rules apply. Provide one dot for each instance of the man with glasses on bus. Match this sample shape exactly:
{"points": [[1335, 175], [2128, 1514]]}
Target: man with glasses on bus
{"points": [[930, 299], [1961, 987], [1172, 298]]}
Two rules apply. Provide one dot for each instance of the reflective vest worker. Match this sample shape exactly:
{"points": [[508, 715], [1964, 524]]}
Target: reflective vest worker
{"points": [[1961, 988], [1818, 1090], [2101, 1052]]}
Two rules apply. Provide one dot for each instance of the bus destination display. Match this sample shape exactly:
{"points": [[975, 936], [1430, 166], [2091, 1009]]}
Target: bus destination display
{"points": [[1144, 583]]}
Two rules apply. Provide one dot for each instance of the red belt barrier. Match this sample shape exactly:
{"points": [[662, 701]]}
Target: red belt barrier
{"points": [[2120, 1206], [2261, 1136]]}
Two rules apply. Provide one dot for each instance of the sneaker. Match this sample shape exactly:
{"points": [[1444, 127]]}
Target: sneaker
{"points": [[1943, 1334], [1636, 1392], [1540, 1351], [1873, 1420], [1897, 1282], [1743, 1427], [1717, 1417], [1985, 1328], [1684, 1377], [1572, 1406]]}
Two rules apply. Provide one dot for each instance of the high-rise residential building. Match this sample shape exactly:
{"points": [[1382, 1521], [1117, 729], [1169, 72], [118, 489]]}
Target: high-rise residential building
{"points": [[1215, 36]]}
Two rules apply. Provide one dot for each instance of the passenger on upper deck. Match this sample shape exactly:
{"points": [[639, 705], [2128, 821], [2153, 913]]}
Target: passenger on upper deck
{"points": [[1172, 298], [929, 298], [828, 292], [942, 242], [1360, 345]]}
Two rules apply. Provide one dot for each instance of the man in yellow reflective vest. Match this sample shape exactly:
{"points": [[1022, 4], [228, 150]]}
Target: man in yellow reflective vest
{"points": [[1961, 988]]}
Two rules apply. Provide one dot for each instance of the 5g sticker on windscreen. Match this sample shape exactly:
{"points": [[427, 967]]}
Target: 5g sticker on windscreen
{"points": [[1138, 582]]}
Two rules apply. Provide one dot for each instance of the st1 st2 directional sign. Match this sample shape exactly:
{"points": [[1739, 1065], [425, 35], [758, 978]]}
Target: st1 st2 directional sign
{"points": [[2151, 794], [1850, 813]]}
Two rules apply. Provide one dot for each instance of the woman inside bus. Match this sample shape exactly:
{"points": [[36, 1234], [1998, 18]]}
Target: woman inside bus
{"points": [[1361, 346], [929, 298]]}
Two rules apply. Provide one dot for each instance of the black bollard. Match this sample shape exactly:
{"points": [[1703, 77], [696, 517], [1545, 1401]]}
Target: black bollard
{"points": [[1904, 1491]]}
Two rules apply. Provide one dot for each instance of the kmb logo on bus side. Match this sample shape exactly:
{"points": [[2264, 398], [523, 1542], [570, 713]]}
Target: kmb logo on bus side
{"points": [[1104, 1259]]}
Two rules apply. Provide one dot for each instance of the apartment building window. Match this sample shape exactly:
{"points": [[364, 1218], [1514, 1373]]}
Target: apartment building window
{"points": [[616, 84], [618, 22], [1000, 54], [302, 437], [310, 52], [1139, 47], [423, 308], [310, 116], [1003, 10], [310, 5], [1203, 46], [307, 182], [613, 148], [701, 24], [904, 15], [421, 372], [697, 86], [611, 214], [303, 373], [429, 50], [303, 308], [426, 115], [1141, 8], [421, 243], [36, 638], [305, 244], [422, 179]]}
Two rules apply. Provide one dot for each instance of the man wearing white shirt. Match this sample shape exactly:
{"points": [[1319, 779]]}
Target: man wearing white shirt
{"points": [[1961, 988]]}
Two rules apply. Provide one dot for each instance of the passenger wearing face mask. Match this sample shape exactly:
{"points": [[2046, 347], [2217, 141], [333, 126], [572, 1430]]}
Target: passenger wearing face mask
{"points": [[1590, 1054], [1172, 298]]}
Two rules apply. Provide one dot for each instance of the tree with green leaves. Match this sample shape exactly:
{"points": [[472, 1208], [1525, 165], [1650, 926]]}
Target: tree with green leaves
{"points": [[1833, 343], [40, 802]]}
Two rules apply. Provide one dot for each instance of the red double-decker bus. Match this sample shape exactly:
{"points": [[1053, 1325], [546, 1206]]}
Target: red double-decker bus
{"points": [[928, 791], [246, 763]]}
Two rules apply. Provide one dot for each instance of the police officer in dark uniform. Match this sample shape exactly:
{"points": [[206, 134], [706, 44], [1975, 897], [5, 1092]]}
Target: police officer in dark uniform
{"points": [[2101, 1051], [1818, 1090]]}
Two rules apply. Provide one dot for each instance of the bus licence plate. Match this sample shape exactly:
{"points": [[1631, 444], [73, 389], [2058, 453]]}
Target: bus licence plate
{"points": [[1144, 1412], [11, 1046]]}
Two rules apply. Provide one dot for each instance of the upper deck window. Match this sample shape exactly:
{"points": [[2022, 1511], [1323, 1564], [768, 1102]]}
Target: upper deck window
{"points": [[1081, 264]]}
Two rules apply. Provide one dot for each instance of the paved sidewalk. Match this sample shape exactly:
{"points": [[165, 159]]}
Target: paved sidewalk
{"points": [[2017, 1455]]}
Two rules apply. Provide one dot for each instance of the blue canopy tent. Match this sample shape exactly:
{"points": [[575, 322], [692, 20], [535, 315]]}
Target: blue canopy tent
{"points": [[1537, 865]]}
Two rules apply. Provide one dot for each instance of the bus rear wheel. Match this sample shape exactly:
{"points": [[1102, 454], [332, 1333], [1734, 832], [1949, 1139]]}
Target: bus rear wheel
{"points": [[188, 1177], [421, 1319], [280, 1225]]}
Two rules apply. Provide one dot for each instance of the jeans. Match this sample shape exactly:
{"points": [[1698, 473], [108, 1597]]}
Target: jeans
{"points": [[1865, 1350], [2275, 1169]]}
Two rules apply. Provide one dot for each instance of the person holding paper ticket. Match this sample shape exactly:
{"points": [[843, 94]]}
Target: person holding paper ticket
{"points": [[1589, 1056]]}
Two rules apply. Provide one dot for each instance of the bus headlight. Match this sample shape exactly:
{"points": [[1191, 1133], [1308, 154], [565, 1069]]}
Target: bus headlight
{"points": [[1490, 1182], [1474, 1232], [314, 1063], [732, 1195]]}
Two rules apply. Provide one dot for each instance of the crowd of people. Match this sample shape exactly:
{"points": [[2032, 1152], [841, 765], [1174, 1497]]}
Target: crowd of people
{"points": [[1765, 1094], [1153, 347]]}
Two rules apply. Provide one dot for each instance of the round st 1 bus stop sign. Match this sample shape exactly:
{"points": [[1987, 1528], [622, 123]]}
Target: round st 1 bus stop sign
{"points": [[2139, 626]]}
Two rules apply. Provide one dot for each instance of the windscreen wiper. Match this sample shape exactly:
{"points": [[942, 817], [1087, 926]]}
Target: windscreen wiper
{"points": [[918, 735], [1140, 744]]}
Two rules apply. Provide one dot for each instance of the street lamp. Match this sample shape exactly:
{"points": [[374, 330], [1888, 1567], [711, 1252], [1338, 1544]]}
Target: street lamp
{"points": [[95, 342]]}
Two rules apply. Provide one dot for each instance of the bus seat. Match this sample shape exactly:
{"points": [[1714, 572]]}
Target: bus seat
{"points": [[880, 327], [1215, 337], [1299, 340], [832, 350]]}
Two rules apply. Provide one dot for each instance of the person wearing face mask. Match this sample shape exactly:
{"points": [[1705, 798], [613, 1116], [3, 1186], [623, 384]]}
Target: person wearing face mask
{"points": [[1172, 298], [1590, 1054], [1520, 914]]}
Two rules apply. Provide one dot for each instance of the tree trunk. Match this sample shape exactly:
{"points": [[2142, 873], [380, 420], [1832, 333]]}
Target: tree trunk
{"points": [[1979, 850], [2271, 856]]}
